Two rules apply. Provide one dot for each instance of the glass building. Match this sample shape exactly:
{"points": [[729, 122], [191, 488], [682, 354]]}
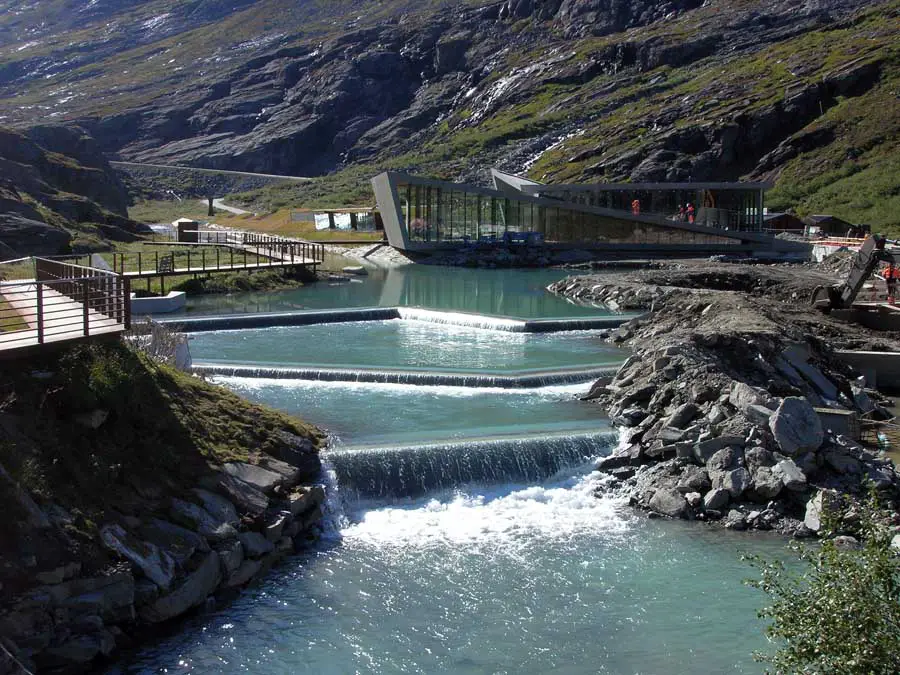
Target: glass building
{"points": [[422, 214]]}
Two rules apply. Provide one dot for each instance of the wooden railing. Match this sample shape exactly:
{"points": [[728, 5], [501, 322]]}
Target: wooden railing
{"points": [[64, 301]]}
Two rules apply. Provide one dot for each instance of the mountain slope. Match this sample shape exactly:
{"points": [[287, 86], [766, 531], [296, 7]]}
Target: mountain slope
{"points": [[57, 194], [802, 92]]}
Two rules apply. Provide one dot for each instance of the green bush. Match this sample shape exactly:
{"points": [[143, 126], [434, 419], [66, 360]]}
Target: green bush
{"points": [[842, 614]]}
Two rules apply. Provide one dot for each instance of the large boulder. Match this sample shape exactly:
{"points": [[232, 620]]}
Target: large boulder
{"points": [[766, 485], [180, 542], [743, 396], [218, 507], [245, 497], [796, 426], [725, 459], [231, 555], [817, 507], [190, 593], [669, 502], [754, 458], [737, 481], [841, 461], [790, 475], [705, 449], [156, 564], [693, 479], [716, 499], [255, 545], [201, 520], [682, 416], [262, 479]]}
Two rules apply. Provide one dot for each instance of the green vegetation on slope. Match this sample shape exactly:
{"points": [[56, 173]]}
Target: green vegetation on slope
{"points": [[163, 432]]}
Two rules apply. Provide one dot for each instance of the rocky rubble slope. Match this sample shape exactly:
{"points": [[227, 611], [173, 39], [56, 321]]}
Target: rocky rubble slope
{"points": [[733, 407], [135, 494]]}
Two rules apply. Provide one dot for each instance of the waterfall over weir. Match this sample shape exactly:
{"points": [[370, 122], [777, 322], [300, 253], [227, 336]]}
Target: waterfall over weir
{"points": [[412, 377], [413, 471]]}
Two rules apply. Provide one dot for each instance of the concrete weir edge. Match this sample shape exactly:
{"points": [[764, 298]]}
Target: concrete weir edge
{"points": [[268, 320]]}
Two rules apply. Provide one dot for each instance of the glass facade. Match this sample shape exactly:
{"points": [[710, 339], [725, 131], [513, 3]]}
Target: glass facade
{"points": [[447, 213], [731, 208]]}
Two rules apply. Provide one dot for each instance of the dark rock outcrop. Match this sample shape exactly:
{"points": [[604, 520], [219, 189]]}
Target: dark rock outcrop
{"points": [[52, 179]]}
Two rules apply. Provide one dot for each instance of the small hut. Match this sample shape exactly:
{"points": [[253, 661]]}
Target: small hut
{"points": [[187, 230]]}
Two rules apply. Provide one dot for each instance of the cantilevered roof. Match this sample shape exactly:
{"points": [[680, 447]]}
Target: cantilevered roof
{"points": [[648, 187]]}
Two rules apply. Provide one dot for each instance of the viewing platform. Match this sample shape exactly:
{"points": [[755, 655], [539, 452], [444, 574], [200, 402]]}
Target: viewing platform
{"points": [[63, 303]]}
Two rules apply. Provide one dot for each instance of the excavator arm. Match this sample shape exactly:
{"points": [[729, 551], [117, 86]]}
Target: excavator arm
{"points": [[866, 261]]}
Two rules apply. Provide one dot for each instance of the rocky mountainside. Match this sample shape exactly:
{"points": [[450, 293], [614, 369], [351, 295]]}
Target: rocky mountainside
{"points": [[803, 92], [58, 192]]}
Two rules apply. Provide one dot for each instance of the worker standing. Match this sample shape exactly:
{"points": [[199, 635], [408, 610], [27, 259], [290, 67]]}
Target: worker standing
{"points": [[890, 278], [690, 213], [636, 207]]}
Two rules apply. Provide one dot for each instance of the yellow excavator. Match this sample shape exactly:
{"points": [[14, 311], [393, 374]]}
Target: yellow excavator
{"points": [[841, 296]]}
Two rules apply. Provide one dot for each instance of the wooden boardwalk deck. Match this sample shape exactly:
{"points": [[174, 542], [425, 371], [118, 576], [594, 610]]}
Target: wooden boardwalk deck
{"points": [[62, 318]]}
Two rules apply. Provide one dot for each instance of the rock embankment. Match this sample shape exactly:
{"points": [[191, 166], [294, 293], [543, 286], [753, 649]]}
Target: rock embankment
{"points": [[732, 406], [144, 530]]}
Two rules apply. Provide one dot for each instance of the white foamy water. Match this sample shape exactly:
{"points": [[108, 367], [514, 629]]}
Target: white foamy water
{"points": [[251, 384], [493, 520]]}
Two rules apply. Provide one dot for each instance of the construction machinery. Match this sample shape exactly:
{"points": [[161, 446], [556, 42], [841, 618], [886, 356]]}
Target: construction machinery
{"points": [[842, 295]]}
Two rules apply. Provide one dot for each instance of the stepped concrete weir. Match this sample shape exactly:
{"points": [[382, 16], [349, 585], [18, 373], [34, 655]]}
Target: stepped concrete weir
{"points": [[308, 318], [528, 380], [405, 472]]}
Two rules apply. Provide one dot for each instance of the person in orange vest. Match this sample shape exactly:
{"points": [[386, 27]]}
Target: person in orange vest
{"points": [[890, 278], [690, 213], [636, 207]]}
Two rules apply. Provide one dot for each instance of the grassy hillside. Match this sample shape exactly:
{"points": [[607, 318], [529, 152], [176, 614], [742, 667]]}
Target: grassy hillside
{"points": [[161, 433]]}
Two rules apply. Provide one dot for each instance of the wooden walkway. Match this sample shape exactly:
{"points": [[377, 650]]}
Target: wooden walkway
{"points": [[222, 267], [62, 319], [233, 252]]}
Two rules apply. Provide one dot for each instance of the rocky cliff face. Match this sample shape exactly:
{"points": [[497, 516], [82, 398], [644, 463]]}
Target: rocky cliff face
{"points": [[52, 179], [561, 89]]}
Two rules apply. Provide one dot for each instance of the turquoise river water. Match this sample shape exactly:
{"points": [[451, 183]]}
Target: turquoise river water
{"points": [[464, 534]]}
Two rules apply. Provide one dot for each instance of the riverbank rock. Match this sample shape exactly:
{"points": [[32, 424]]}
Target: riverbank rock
{"points": [[796, 427], [669, 502], [727, 383], [191, 593]]}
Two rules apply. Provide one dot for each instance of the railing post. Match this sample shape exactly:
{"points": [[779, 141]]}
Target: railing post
{"points": [[84, 300], [140, 263], [189, 261], [127, 309], [40, 313], [217, 256], [203, 258]]}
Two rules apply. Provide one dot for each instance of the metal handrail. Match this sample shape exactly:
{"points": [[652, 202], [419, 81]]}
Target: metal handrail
{"points": [[63, 300]]}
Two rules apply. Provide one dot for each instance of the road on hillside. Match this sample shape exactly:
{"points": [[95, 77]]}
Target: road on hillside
{"points": [[202, 170], [219, 204]]}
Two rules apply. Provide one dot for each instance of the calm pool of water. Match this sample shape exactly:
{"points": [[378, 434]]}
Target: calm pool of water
{"points": [[510, 293]]}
